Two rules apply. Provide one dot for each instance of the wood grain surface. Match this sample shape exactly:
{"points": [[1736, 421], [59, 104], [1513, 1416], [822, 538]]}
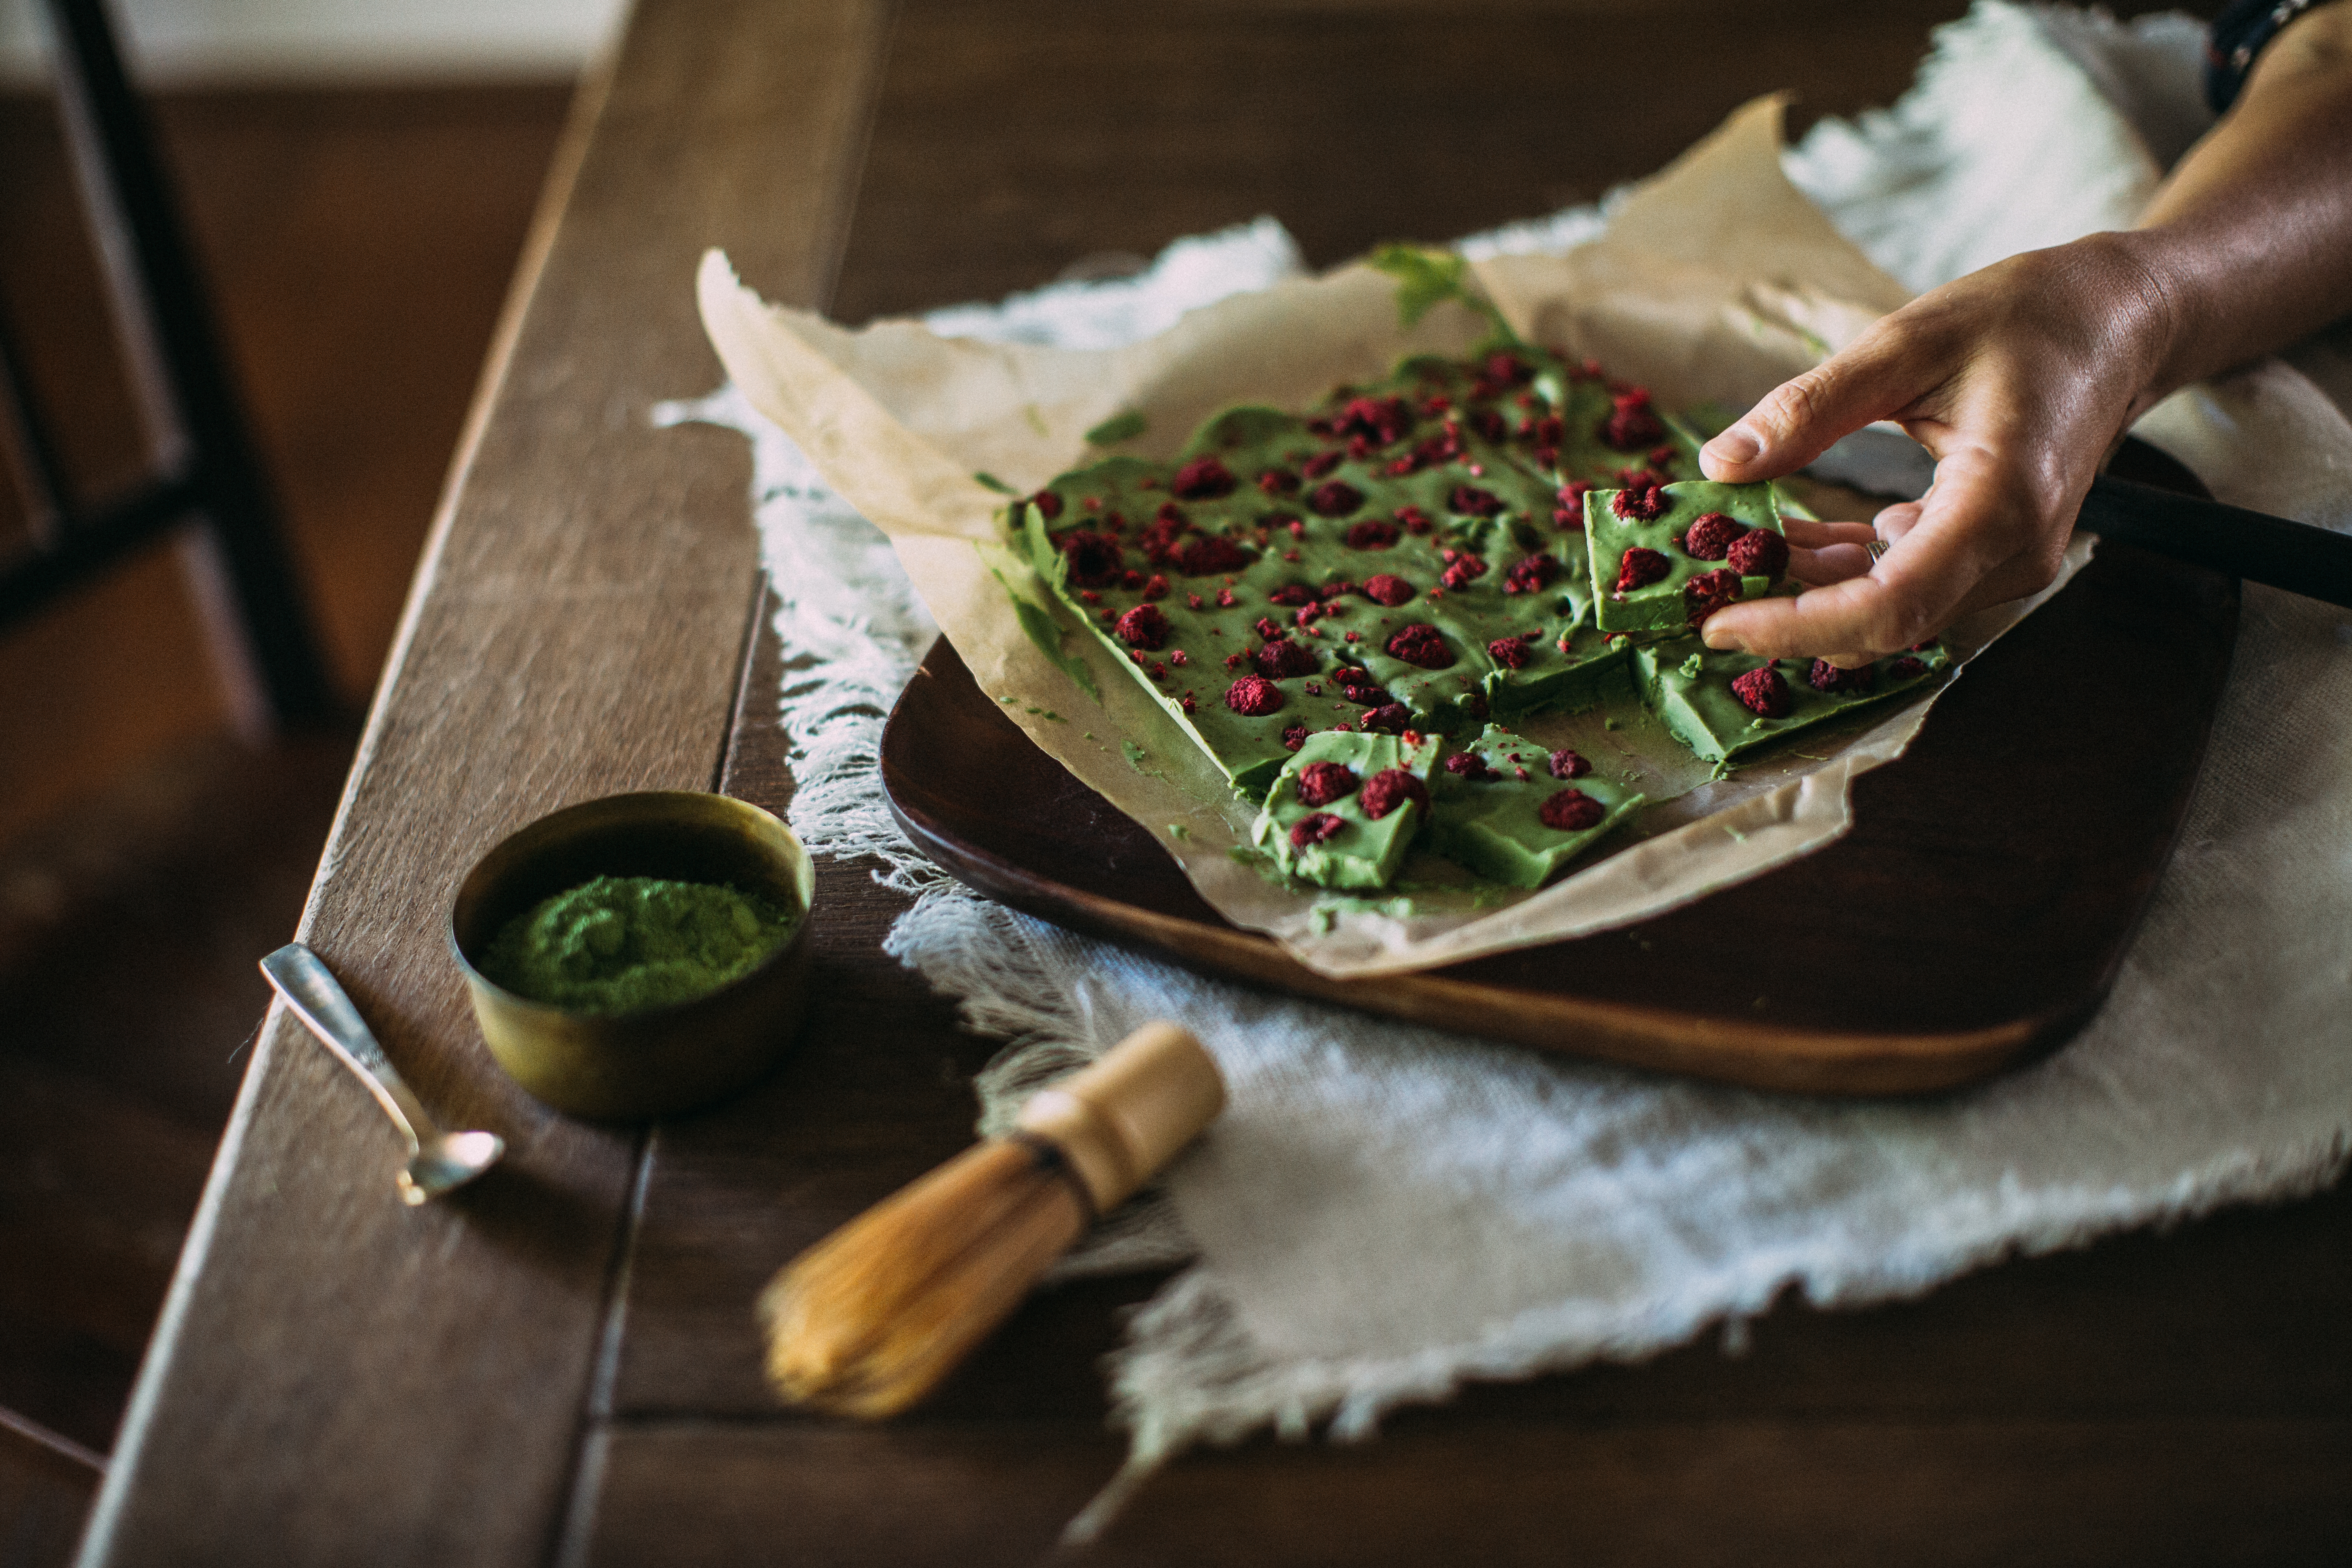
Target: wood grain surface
{"points": [[341, 1383], [338, 1379]]}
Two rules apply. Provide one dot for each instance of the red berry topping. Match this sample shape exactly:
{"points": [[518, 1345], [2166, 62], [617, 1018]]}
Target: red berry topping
{"points": [[1470, 767], [1571, 811], [1570, 514], [1826, 677], [1762, 691], [1293, 736], [1156, 587], [1281, 658], [1390, 718], [1048, 504], [1421, 645], [1709, 592], [1335, 498], [1639, 567], [1385, 588], [1631, 425], [1320, 784], [1413, 520], [1469, 501], [1278, 483], [1466, 569], [1566, 764], [1202, 479], [1529, 573], [1391, 788], [1254, 696], [1644, 498], [1143, 626], [1377, 421], [1094, 558], [1292, 594], [1315, 828], [1373, 533], [1907, 669], [1508, 652], [1202, 557], [1322, 463], [1759, 553], [1711, 537]]}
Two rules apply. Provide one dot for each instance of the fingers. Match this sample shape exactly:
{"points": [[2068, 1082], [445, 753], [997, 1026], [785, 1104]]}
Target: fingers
{"points": [[1881, 372], [1975, 540]]}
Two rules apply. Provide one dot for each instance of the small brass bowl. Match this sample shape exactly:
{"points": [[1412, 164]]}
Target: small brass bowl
{"points": [[637, 1065]]}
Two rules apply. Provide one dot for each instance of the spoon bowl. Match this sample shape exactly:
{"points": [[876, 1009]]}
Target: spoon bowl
{"points": [[448, 1162]]}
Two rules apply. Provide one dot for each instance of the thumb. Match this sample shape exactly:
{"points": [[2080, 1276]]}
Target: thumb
{"points": [[1802, 417]]}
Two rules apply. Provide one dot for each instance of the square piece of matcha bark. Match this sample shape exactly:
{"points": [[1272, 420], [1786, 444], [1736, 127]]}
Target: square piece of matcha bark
{"points": [[1320, 818], [1511, 819], [1659, 603], [1720, 704]]}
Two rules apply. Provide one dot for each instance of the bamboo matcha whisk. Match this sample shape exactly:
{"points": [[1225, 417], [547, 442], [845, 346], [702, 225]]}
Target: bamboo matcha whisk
{"points": [[870, 1318]]}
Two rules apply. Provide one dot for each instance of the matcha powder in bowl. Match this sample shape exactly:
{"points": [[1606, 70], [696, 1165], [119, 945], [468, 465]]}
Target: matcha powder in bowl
{"points": [[628, 944]]}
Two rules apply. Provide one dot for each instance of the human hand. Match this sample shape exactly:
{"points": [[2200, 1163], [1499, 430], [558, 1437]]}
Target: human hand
{"points": [[2018, 379]]}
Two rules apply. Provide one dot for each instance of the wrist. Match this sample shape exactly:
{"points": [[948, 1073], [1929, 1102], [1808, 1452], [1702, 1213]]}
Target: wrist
{"points": [[2155, 308]]}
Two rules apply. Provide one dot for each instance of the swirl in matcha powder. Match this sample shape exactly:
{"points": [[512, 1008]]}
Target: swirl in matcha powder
{"points": [[626, 944]]}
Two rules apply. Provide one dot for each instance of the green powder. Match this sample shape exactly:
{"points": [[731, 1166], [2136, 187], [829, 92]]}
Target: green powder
{"points": [[626, 944]]}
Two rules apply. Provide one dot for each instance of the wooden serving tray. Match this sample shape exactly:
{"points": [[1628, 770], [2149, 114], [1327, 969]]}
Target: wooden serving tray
{"points": [[1975, 917]]}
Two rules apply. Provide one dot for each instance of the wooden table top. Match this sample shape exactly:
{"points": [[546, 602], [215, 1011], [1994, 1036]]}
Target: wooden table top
{"points": [[561, 1366]]}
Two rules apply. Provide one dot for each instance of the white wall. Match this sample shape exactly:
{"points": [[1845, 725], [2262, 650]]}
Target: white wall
{"points": [[329, 40]]}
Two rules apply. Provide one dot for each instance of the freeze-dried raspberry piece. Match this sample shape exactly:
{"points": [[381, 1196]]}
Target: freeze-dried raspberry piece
{"points": [[1291, 594], [1048, 504], [1201, 557], [1464, 570], [1759, 553], [1489, 425], [1567, 764], [1639, 567], [1469, 501], [1389, 718], [1380, 421], [1143, 626], [1571, 811], [1254, 696], [1643, 499], [1268, 627], [1391, 788], [1530, 573], [1154, 586], [1502, 371], [1293, 736], [1095, 559], [1320, 784], [1373, 533], [1322, 463], [1281, 658], [1413, 520], [1711, 537], [1278, 483], [1202, 479], [1508, 652], [1762, 691], [1421, 645], [1470, 767], [1823, 676], [1709, 592], [1569, 515], [1335, 498], [1159, 539], [1907, 669], [1632, 426], [1386, 588], [1316, 828]]}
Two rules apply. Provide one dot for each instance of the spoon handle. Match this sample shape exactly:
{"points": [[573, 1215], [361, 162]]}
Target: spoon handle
{"points": [[311, 990]]}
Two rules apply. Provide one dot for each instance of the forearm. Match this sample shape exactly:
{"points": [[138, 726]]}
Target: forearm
{"points": [[2248, 244]]}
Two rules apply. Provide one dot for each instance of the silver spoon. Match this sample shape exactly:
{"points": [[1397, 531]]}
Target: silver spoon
{"points": [[437, 1160]]}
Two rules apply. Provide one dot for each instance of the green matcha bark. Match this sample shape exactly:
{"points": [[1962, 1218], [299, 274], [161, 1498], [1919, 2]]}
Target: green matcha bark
{"points": [[1517, 814], [1721, 704], [1662, 558], [1344, 809]]}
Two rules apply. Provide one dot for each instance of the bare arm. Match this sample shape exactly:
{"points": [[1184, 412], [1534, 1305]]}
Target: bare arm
{"points": [[2020, 378]]}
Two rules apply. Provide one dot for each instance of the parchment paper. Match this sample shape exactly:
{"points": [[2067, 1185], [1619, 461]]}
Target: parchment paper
{"points": [[1714, 283]]}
